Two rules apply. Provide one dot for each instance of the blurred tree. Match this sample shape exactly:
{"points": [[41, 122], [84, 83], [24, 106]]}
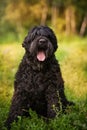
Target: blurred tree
{"points": [[44, 11], [76, 16], [3, 5], [82, 9], [22, 14], [68, 16], [84, 25], [54, 14], [56, 7]]}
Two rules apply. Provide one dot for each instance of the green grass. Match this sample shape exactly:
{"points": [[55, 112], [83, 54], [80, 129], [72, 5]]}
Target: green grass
{"points": [[72, 56]]}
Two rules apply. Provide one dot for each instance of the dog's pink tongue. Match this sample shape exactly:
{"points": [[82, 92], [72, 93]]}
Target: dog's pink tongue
{"points": [[41, 56]]}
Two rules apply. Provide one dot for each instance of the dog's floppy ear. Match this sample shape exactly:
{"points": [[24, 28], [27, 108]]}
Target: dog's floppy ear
{"points": [[23, 45], [55, 45], [30, 36], [24, 42], [54, 41]]}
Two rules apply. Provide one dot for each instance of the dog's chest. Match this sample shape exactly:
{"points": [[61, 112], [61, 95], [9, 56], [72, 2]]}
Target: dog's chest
{"points": [[39, 80]]}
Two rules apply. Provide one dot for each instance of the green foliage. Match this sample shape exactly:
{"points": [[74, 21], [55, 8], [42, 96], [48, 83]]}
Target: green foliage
{"points": [[32, 123], [75, 119], [4, 106]]}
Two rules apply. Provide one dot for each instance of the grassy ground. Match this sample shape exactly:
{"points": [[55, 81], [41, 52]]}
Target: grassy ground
{"points": [[72, 57]]}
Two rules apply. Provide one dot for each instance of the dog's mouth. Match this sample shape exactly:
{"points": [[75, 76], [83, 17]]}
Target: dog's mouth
{"points": [[41, 56]]}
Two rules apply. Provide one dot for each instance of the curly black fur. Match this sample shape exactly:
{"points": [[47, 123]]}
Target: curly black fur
{"points": [[38, 84]]}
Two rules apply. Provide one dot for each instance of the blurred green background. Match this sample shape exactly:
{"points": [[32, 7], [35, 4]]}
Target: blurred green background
{"points": [[68, 19], [17, 16]]}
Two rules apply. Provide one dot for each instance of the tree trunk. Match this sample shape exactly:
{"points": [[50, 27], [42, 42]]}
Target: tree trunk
{"points": [[68, 19], [73, 21], [44, 12], [83, 26], [54, 15]]}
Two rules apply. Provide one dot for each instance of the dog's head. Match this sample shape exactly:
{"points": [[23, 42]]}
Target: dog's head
{"points": [[40, 43]]}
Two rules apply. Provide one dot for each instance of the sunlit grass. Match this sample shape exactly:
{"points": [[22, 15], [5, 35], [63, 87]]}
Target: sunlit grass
{"points": [[74, 68], [74, 74], [12, 50], [10, 56]]}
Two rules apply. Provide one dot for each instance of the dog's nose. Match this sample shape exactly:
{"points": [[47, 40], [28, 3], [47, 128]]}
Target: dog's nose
{"points": [[41, 41], [42, 44]]}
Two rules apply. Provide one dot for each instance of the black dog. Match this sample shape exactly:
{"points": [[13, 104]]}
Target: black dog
{"points": [[38, 82]]}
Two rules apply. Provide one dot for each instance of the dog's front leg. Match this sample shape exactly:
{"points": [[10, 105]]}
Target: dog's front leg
{"points": [[52, 102], [17, 107]]}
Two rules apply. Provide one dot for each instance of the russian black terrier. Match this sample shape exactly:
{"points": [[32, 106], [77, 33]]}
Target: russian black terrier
{"points": [[38, 82]]}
